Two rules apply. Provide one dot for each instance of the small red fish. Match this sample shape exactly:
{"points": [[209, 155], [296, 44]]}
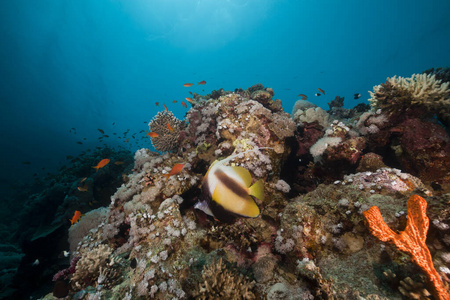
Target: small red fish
{"points": [[174, 101], [191, 93], [188, 84], [157, 103], [118, 163], [170, 127], [175, 170], [190, 100], [127, 140], [101, 131], [83, 188], [183, 104], [102, 163], [76, 217], [152, 134], [165, 107], [322, 91], [304, 97], [202, 82]]}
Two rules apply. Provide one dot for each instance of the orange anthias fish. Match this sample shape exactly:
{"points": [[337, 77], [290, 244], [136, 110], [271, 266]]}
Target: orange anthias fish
{"points": [[165, 107], [304, 97], [202, 82], [83, 188], [183, 104], [170, 127], [188, 84], [190, 100], [118, 163], [174, 101], [76, 217], [152, 134], [175, 170], [157, 103], [322, 91], [102, 163]]}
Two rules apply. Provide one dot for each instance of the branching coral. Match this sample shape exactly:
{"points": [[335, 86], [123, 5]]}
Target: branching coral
{"points": [[419, 91], [168, 128], [411, 240], [221, 283], [90, 267]]}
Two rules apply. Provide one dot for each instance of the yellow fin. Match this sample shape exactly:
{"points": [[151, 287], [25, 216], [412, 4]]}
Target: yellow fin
{"points": [[244, 174], [257, 189], [230, 201]]}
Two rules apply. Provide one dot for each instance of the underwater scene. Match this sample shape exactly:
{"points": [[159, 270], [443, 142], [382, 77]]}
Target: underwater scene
{"points": [[225, 149]]}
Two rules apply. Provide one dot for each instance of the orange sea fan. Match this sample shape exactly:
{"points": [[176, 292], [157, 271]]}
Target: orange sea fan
{"points": [[411, 240]]}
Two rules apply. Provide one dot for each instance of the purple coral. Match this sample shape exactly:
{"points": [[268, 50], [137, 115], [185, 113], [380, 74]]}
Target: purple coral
{"points": [[64, 274]]}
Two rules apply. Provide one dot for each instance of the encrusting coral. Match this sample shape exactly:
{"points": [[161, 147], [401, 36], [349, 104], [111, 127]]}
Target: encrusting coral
{"points": [[411, 240]]}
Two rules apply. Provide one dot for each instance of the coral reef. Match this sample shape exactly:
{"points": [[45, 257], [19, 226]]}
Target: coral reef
{"points": [[168, 128], [220, 282], [309, 241], [420, 92]]}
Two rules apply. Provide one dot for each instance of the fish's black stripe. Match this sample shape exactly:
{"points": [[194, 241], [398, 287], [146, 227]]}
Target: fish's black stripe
{"points": [[231, 184]]}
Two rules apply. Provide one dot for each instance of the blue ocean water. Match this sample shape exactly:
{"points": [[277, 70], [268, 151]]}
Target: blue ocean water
{"points": [[89, 64]]}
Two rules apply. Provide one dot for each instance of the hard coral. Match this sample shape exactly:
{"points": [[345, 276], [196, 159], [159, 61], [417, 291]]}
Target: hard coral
{"points": [[424, 149], [401, 95], [219, 282], [167, 138]]}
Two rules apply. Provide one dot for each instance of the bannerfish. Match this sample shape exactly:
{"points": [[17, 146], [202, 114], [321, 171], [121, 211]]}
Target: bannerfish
{"points": [[188, 84], [101, 164], [202, 82], [356, 96], [227, 191], [322, 91], [317, 94]]}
